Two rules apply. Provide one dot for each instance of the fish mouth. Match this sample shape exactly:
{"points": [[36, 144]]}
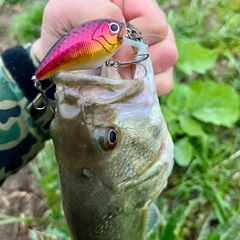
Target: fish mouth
{"points": [[105, 74], [109, 85], [111, 73], [120, 73], [108, 88]]}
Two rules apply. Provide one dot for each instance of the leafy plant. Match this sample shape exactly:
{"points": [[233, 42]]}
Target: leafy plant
{"points": [[194, 58], [188, 108], [202, 113]]}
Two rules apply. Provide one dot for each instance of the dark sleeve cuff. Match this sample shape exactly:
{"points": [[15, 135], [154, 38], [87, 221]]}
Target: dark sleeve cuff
{"points": [[19, 63]]}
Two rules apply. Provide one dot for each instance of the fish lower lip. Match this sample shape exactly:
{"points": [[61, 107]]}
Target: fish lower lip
{"points": [[79, 79]]}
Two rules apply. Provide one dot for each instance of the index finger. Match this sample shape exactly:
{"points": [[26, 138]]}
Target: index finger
{"points": [[147, 17]]}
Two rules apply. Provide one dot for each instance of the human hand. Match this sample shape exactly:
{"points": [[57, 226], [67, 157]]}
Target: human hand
{"points": [[60, 16]]}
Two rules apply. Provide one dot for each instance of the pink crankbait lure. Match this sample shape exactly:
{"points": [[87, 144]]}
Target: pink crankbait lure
{"points": [[87, 46]]}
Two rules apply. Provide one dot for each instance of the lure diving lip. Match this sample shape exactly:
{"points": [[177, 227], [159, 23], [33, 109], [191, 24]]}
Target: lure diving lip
{"points": [[87, 46]]}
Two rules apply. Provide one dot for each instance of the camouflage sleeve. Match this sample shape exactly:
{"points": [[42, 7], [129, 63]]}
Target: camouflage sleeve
{"points": [[20, 137]]}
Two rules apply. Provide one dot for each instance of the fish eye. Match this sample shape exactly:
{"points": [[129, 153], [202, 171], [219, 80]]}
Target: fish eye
{"points": [[112, 137], [108, 138], [114, 27]]}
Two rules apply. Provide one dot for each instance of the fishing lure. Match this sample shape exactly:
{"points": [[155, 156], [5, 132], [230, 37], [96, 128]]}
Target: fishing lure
{"points": [[87, 46]]}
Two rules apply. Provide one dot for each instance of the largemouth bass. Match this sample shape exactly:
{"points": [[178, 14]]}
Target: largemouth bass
{"points": [[113, 149]]}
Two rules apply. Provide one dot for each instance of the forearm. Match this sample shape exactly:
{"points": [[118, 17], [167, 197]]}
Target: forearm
{"points": [[20, 137]]}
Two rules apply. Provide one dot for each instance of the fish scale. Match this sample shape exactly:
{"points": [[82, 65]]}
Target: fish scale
{"points": [[87, 46]]}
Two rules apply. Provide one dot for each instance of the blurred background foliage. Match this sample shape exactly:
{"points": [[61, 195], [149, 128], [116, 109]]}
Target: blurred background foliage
{"points": [[202, 199]]}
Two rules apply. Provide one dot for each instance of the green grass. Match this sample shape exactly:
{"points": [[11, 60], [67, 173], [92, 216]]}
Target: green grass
{"points": [[201, 201], [29, 22], [47, 177], [11, 2]]}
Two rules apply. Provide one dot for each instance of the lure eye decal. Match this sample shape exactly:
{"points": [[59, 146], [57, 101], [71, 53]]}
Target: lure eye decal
{"points": [[114, 27]]}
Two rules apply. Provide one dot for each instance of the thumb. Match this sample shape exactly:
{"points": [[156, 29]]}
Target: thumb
{"points": [[62, 16]]}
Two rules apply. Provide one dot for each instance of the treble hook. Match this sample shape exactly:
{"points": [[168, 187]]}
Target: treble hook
{"points": [[118, 63], [38, 86]]}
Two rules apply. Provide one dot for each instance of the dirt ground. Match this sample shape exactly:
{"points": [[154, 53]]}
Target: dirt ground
{"points": [[19, 195]]}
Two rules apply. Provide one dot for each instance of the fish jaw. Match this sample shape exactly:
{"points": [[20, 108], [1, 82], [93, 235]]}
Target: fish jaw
{"points": [[106, 192]]}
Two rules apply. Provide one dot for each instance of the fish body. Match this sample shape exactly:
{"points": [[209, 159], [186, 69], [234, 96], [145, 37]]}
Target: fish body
{"points": [[113, 149], [87, 46]]}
